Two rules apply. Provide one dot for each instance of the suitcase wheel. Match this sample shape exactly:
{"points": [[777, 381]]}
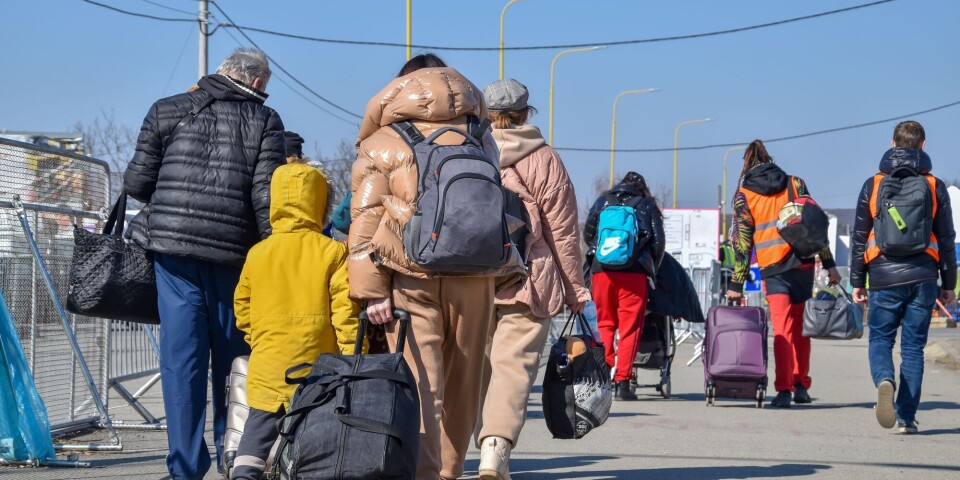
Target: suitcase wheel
{"points": [[711, 394], [761, 395], [664, 389]]}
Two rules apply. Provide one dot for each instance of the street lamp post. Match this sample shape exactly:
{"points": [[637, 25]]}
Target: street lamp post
{"points": [[502, 14], [409, 29], [553, 67], [613, 127], [723, 196], [676, 140]]}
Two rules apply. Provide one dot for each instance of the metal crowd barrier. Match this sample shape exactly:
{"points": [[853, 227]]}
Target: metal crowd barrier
{"points": [[43, 193], [706, 281]]}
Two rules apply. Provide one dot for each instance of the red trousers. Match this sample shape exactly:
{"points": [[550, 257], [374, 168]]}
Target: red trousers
{"points": [[621, 299], [791, 350]]}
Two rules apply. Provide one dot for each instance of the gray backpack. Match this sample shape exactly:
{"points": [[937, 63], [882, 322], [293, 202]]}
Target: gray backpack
{"points": [[904, 217], [459, 224]]}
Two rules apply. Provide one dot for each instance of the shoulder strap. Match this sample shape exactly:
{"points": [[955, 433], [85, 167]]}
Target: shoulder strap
{"points": [[189, 116], [408, 132], [520, 177], [791, 190], [118, 216]]}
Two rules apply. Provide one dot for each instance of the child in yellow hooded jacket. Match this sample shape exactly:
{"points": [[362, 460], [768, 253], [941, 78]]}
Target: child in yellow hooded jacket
{"points": [[292, 303]]}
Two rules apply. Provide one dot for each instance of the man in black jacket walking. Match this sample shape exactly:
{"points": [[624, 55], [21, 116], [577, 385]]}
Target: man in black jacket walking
{"points": [[903, 281], [203, 164]]}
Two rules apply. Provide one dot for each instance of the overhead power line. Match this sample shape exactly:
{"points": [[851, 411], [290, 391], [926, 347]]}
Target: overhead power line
{"points": [[142, 15], [555, 47], [771, 140], [158, 4], [287, 72]]}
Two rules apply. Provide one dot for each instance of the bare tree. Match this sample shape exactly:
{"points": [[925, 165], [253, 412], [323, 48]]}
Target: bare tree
{"points": [[108, 140], [662, 193], [337, 167]]}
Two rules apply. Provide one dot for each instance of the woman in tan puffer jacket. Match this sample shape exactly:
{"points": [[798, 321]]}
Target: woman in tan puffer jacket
{"points": [[532, 169], [450, 316]]}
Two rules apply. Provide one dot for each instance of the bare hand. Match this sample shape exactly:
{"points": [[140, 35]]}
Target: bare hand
{"points": [[577, 308], [834, 276], [380, 310], [860, 295], [947, 297]]}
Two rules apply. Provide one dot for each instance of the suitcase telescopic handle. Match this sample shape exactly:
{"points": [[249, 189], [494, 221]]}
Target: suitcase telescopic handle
{"points": [[400, 315]]}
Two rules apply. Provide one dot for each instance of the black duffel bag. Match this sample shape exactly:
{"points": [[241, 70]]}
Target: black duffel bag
{"points": [[803, 224], [830, 317], [577, 391], [110, 278], [353, 417]]}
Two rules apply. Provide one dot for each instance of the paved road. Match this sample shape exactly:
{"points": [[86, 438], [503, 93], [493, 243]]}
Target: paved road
{"points": [[681, 439]]}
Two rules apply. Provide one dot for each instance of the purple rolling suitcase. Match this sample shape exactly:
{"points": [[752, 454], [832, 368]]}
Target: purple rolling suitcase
{"points": [[735, 354]]}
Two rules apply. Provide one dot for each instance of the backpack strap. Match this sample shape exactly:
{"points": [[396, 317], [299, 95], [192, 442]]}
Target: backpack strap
{"points": [[791, 189], [189, 116], [408, 132]]}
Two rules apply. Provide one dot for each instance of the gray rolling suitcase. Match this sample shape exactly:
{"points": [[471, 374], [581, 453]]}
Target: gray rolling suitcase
{"points": [[237, 412]]}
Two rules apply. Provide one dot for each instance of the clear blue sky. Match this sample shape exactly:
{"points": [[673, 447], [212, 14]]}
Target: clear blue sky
{"points": [[65, 61]]}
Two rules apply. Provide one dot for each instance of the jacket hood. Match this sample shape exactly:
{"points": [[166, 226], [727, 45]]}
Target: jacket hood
{"points": [[298, 199], [765, 179], [428, 94], [222, 87], [517, 143], [906, 157], [623, 189]]}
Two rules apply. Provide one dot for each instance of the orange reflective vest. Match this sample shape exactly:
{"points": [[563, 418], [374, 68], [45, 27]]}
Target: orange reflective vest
{"points": [[873, 251], [771, 248]]}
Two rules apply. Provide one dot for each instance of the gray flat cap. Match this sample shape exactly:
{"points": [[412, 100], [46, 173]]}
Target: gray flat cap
{"points": [[507, 94]]}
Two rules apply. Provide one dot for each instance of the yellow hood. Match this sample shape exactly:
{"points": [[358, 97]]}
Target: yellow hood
{"points": [[298, 199]]}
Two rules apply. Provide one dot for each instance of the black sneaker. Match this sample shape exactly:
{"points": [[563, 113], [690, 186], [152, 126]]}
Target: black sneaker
{"points": [[800, 395], [622, 391], [782, 400], [907, 428]]}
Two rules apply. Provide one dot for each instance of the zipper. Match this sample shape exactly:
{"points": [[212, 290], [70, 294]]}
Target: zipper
{"points": [[436, 171], [438, 220]]}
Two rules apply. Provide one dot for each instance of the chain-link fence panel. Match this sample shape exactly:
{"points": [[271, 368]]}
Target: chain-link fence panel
{"points": [[59, 190]]}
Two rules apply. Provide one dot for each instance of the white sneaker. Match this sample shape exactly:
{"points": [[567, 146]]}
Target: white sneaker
{"points": [[495, 458]]}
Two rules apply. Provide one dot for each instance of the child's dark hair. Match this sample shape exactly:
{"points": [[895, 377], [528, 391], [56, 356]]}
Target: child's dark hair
{"points": [[425, 60]]}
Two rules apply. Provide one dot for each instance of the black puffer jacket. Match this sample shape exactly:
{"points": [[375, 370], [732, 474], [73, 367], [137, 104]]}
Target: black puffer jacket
{"points": [[208, 190], [886, 272], [649, 218]]}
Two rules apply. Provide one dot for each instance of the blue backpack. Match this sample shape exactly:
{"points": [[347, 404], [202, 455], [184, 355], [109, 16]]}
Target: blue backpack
{"points": [[619, 237]]}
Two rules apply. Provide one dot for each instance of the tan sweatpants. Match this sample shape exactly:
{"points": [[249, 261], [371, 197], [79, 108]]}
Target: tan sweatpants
{"points": [[450, 319], [514, 359]]}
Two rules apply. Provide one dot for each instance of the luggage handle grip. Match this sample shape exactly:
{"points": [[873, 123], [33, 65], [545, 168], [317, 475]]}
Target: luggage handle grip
{"points": [[400, 315], [292, 370]]}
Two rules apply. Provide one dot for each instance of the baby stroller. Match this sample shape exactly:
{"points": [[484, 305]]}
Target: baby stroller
{"points": [[658, 344]]}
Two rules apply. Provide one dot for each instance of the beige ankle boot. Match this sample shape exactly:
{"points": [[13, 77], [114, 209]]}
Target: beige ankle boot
{"points": [[495, 458]]}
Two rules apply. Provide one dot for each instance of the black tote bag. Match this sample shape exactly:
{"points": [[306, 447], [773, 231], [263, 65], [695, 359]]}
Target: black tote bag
{"points": [[110, 278], [577, 392]]}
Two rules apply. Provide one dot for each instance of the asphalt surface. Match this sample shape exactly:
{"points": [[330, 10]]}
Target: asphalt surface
{"points": [[837, 437]]}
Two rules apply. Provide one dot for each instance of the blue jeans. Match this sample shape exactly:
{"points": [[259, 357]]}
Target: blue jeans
{"points": [[196, 320], [909, 306]]}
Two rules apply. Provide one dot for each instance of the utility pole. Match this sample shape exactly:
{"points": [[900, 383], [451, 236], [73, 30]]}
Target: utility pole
{"points": [[202, 18]]}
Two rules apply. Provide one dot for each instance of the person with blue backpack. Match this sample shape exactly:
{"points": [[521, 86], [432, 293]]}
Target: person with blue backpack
{"points": [[624, 233]]}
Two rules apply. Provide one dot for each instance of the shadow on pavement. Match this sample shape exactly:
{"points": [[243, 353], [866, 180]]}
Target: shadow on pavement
{"points": [[538, 414], [939, 406], [678, 473], [831, 406]]}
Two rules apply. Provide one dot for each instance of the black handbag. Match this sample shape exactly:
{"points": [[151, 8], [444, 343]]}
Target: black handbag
{"points": [[577, 391], [110, 278]]}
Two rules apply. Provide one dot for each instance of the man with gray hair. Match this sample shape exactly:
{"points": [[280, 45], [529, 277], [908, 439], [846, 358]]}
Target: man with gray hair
{"points": [[202, 167]]}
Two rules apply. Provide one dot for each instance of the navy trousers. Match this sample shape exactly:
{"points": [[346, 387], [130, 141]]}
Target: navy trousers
{"points": [[197, 329]]}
